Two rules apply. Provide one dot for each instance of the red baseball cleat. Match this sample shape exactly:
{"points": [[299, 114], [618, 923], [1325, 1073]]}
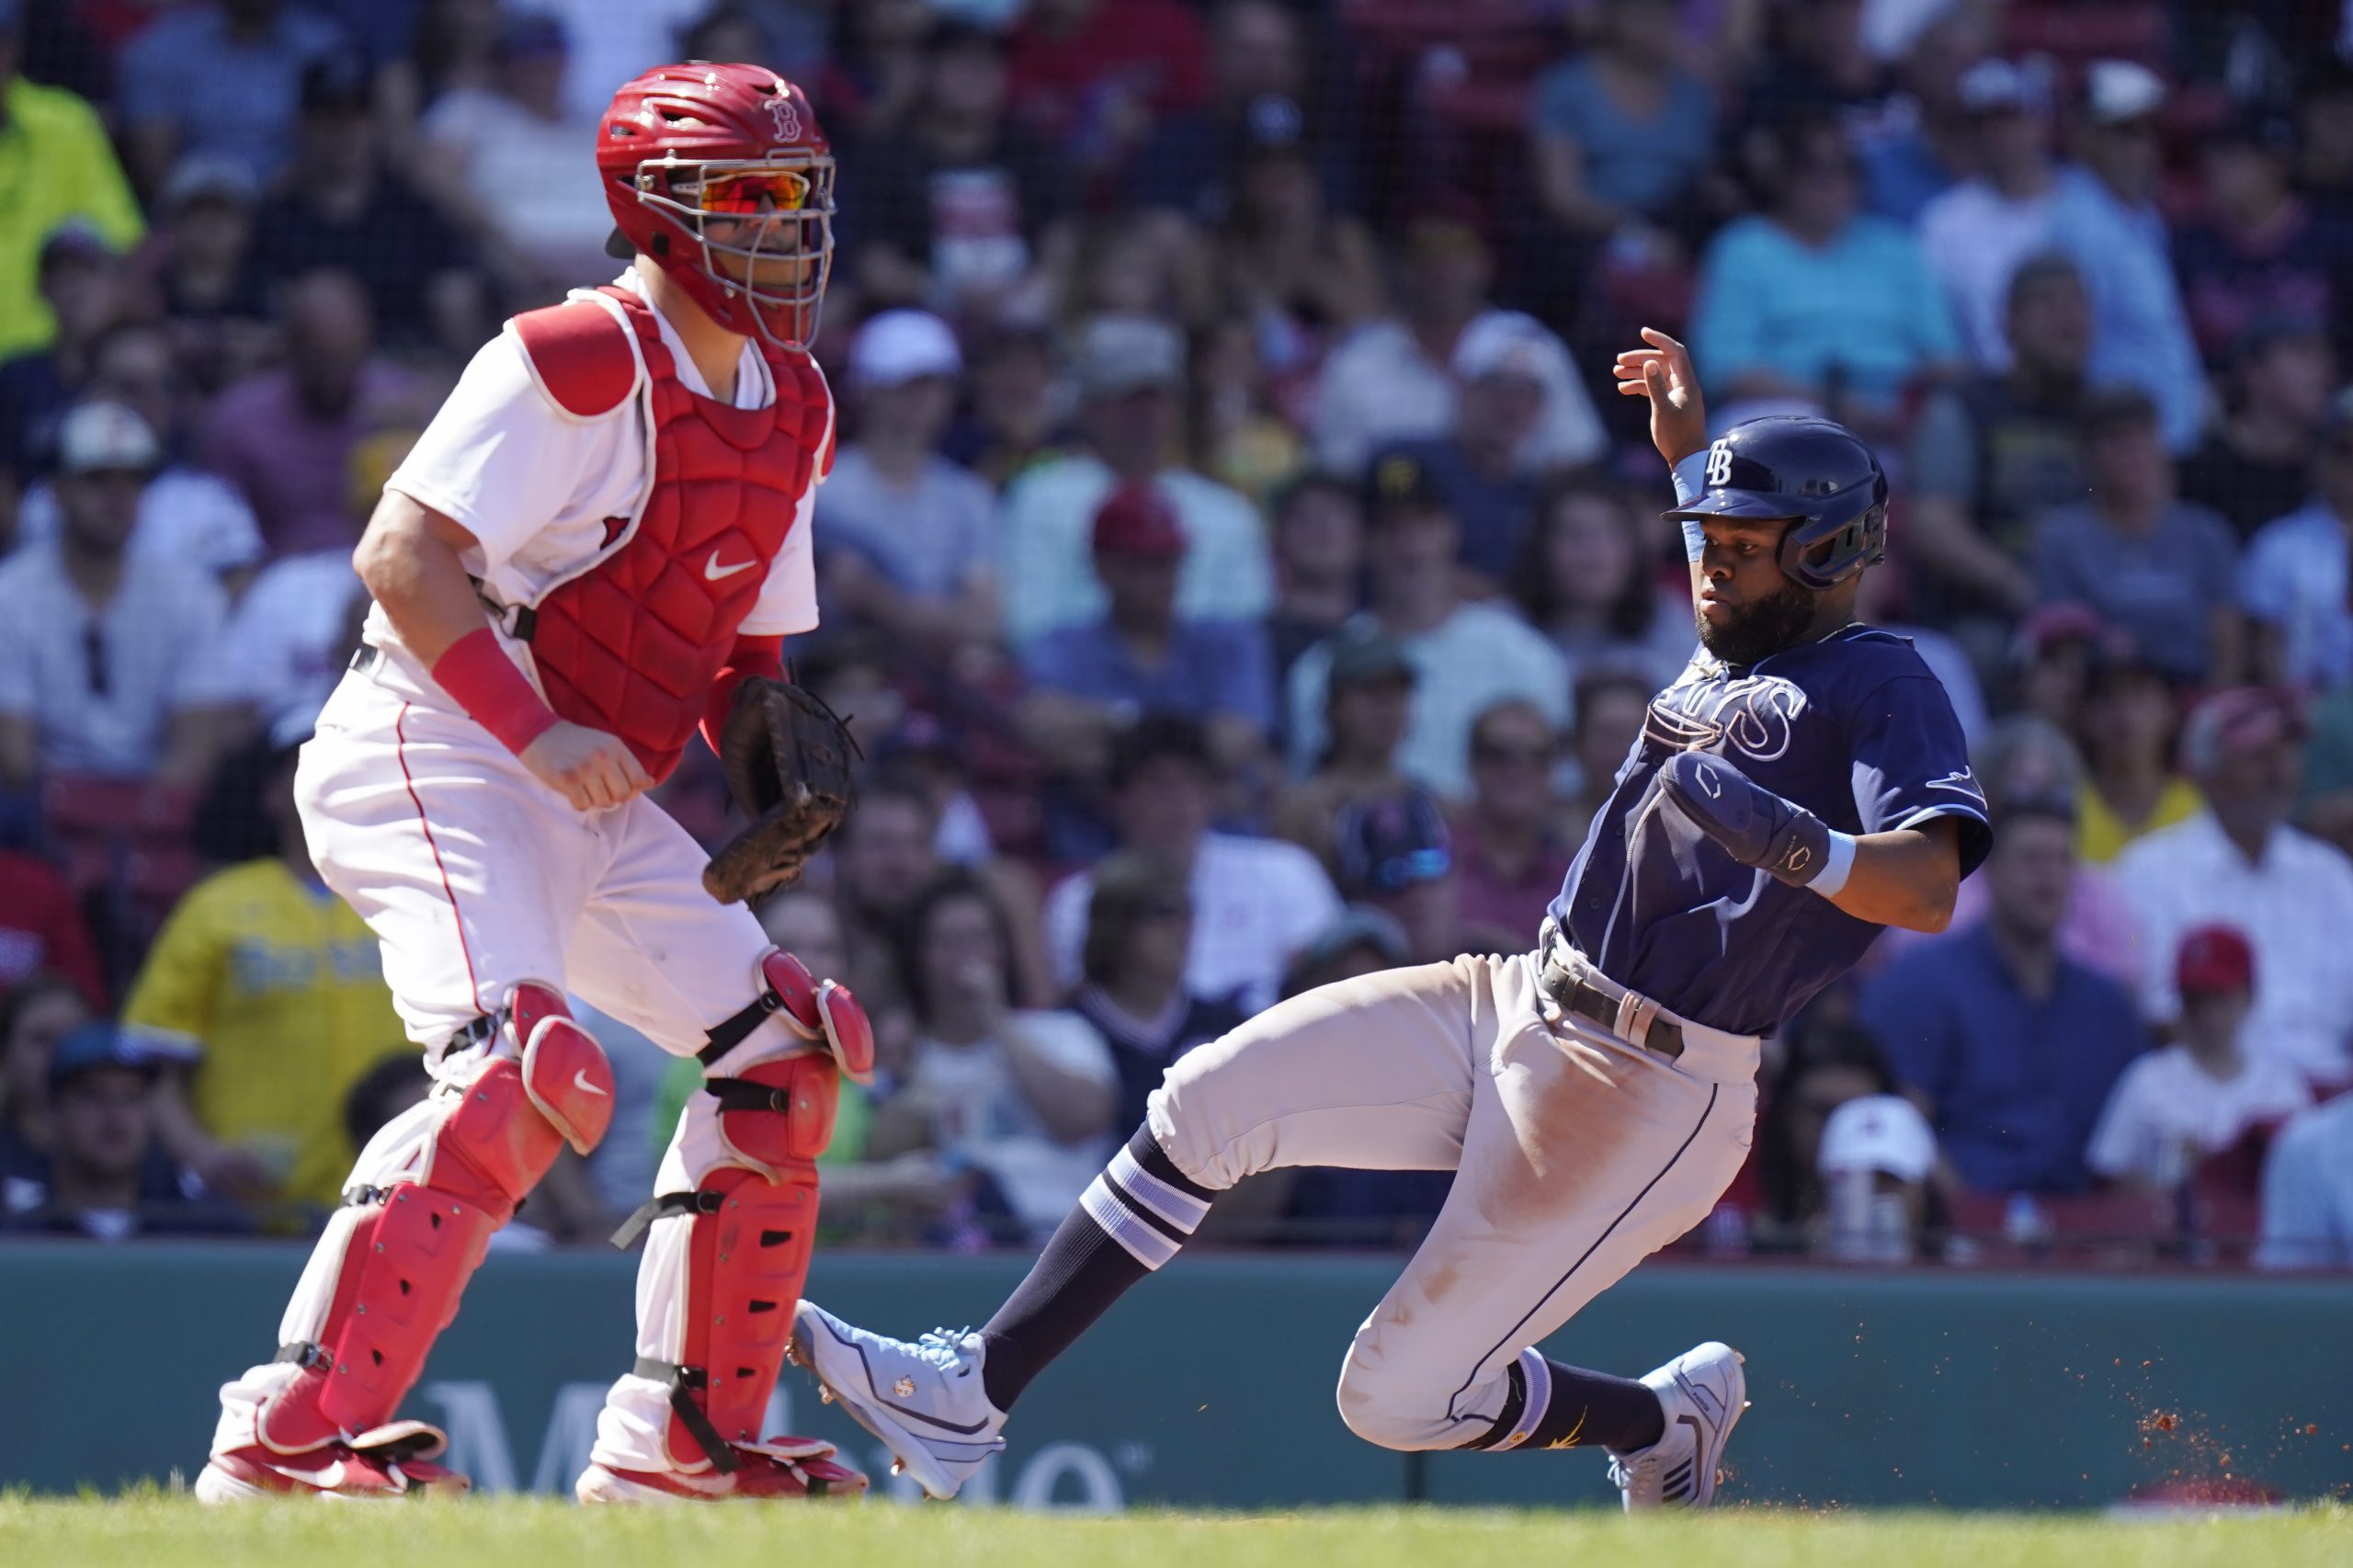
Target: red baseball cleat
{"points": [[390, 1462], [783, 1469]]}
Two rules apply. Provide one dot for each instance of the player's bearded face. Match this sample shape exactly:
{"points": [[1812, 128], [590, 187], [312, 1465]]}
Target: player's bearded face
{"points": [[1745, 633]]}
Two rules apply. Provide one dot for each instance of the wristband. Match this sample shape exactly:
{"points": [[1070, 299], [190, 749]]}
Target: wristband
{"points": [[1690, 485], [481, 678], [1836, 864]]}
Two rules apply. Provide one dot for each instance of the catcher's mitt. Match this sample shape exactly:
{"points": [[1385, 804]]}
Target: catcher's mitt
{"points": [[787, 757]]}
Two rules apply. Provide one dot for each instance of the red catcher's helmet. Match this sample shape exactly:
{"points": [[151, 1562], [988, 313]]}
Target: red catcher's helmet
{"points": [[707, 162]]}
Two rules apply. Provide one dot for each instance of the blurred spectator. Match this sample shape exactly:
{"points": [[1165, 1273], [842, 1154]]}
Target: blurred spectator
{"points": [[2162, 570], [2008, 1045], [452, 48], [101, 1179], [284, 437], [2258, 249], [1508, 862], [1613, 700], [1815, 57], [1091, 681], [57, 167], [276, 982], [340, 208], [197, 267], [1397, 856], [1621, 132], [2324, 137], [1131, 378], [1879, 601], [1466, 656], [874, 75], [909, 538], [1255, 901], [1318, 523], [1138, 928], [1503, 365], [1011, 420], [1300, 272], [2105, 216], [2297, 578], [1994, 452], [185, 515], [1358, 942], [506, 161], [1259, 51], [109, 661], [42, 929], [294, 628], [1025, 1097], [1367, 700], [80, 285], [1924, 142], [1098, 75], [2308, 1191], [1831, 1062], [2256, 464], [2325, 805], [2185, 1101], [1236, 432], [951, 207], [610, 44], [2238, 863], [1393, 380], [2050, 663], [34, 1017], [1590, 583], [2131, 722], [1877, 1155], [1816, 300], [1976, 233], [222, 77]]}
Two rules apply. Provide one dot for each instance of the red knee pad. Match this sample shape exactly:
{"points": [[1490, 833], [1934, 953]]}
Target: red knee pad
{"points": [[747, 1259], [777, 1114], [564, 1071], [823, 1010]]}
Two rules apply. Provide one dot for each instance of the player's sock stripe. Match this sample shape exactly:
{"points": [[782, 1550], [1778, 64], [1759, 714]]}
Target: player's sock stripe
{"points": [[1135, 1205], [1536, 1378], [1142, 1243], [1145, 1150], [1178, 1208]]}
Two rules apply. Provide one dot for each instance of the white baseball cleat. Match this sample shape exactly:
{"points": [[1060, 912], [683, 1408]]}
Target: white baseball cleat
{"points": [[1703, 1391], [923, 1400]]}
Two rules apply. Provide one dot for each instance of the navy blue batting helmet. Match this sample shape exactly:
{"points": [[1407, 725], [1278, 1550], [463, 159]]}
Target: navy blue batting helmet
{"points": [[1813, 472]]}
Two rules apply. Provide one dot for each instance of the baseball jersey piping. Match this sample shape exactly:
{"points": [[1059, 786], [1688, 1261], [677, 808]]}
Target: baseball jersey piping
{"points": [[465, 948]]}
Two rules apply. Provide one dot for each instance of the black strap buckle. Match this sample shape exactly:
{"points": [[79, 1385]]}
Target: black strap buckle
{"points": [[729, 1033], [681, 1381], [302, 1352], [660, 1206]]}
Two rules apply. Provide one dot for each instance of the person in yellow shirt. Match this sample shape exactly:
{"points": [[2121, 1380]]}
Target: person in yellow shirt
{"points": [[2130, 719], [55, 165], [280, 984]]}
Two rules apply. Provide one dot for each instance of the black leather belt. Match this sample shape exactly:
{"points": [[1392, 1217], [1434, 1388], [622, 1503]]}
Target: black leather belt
{"points": [[1614, 1008]]}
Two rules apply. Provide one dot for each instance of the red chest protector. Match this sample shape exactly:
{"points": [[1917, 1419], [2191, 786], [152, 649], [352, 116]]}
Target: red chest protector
{"points": [[630, 643]]}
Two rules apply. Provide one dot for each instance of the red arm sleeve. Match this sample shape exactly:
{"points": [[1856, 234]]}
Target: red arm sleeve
{"points": [[750, 656]]}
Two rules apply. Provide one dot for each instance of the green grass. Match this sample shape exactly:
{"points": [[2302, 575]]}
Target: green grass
{"points": [[159, 1531]]}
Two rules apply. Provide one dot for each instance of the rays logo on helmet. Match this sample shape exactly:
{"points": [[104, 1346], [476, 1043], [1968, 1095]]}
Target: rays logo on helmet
{"points": [[1720, 463], [787, 116]]}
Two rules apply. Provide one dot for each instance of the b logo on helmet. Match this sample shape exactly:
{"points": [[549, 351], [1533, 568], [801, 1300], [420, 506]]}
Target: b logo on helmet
{"points": [[787, 116], [1720, 463]]}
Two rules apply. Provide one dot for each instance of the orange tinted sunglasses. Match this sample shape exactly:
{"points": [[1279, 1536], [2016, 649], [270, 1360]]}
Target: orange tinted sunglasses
{"points": [[754, 192]]}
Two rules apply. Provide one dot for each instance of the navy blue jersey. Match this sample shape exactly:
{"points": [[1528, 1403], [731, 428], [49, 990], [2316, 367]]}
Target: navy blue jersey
{"points": [[1852, 727]]}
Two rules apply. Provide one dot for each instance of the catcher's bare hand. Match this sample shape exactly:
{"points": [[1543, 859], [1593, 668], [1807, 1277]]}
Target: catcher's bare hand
{"points": [[588, 768], [1663, 373]]}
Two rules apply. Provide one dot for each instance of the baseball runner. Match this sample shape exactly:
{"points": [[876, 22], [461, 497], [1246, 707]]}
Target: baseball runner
{"points": [[1803, 784], [597, 547]]}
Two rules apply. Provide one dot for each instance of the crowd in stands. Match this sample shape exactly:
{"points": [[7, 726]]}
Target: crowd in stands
{"points": [[1234, 568]]}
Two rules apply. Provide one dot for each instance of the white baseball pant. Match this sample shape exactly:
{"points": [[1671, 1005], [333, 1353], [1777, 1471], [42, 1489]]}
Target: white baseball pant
{"points": [[1576, 1155]]}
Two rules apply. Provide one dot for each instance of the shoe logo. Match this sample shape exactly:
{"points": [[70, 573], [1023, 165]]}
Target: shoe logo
{"points": [[1709, 1404], [904, 1388], [328, 1479], [579, 1081], [713, 571]]}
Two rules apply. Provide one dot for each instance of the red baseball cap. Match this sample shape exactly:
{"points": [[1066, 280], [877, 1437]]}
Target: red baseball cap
{"points": [[2235, 718], [2213, 959], [1137, 520]]}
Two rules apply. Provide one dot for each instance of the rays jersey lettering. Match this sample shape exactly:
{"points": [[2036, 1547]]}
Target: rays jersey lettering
{"points": [[1853, 727]]}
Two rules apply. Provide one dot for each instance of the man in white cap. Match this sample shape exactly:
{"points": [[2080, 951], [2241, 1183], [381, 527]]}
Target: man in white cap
{"points": [[108, 659], [1130, 375], [911, 536], [1875, 1148], [1978, 232], [2105, 216]]}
